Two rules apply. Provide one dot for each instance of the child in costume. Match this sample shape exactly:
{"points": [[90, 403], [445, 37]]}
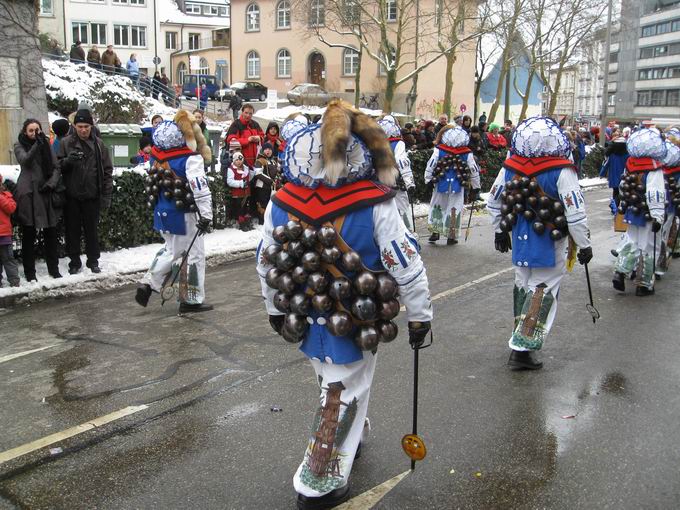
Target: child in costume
{"points": [[238, 180], [537, 207], [334, 256], [266, 179], [669, 230]]}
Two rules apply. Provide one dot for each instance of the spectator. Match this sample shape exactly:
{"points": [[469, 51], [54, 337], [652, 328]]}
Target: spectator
{"points": [[110, 60], [132, 67], [265, 180], [482, 118], [54, 51], [165, 83], [458, 120], [77, 53], [419, 135], [144, 154], [203, 97], [155, 120], [228, 151], [407, 135], [467, 123], [156, 85], [443, 122], [178, 94], [495, 139], [60, 128], [248, 133], [37, 197], [508, 130], [199, 117], [235, 103], [86, 166], [274, 138], [238, 180], [7, 207], [476, 144], [94, 59], [429, 133]]}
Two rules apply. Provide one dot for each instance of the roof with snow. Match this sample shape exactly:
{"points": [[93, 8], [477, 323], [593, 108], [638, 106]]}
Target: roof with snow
{"points": [[169, 13]]}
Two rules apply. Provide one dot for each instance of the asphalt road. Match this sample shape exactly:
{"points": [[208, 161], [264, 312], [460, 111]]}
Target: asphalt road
{"points": [[596, 428]]}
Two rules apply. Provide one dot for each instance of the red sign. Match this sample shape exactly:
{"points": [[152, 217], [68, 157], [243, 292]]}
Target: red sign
{"points": [[463, 108]]}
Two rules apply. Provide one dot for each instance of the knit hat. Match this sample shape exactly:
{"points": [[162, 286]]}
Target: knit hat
{"points": [[144, 142], [83, 117], [234, 145], [268, 145], [237, 155], [60, 127], [538, 137], [167, 135], [647, 143]]}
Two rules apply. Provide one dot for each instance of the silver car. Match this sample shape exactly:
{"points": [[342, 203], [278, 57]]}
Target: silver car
{"points": [[308, 94]]}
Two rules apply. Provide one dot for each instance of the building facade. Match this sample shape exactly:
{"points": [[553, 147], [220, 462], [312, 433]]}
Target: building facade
{"points": [[565, 106], [277, 45], [646, 73], [52, 21]]}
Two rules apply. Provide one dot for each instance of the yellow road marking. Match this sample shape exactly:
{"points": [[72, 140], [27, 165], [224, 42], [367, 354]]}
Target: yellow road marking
{"points": [[65, 434], [371, 497]]}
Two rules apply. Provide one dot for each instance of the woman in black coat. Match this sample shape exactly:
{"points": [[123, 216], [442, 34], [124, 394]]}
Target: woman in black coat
{"points": [[38, 207]]}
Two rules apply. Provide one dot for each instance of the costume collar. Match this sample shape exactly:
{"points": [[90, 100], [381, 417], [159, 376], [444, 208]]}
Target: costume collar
{"points": [[166, 155], [454, 150], [670, 170], [395, 138], [634, 165], [534, 166]]}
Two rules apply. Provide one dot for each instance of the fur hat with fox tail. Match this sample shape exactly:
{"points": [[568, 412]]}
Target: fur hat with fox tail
{"points": [[193, 135]]}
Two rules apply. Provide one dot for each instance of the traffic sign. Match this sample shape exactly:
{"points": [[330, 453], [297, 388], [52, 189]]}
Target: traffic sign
{"points": [[156, 60], [463, 108]]}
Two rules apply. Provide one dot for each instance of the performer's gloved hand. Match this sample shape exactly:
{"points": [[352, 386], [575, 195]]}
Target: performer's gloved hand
{"points": [[203, 226], [417, 331], [411, 192], [656, 226], [502, 241], [585, 255], [276, 322]]}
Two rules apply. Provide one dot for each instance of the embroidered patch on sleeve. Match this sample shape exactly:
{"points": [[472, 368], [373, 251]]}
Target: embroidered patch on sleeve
{"points": [[388, 259], [573, 200]]}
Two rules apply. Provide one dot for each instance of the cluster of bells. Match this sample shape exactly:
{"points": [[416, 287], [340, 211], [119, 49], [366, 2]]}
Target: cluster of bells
{"points": [[523, 197], [160, 181], [674, 192], [633, 193], [452, 160], [300, 259]]}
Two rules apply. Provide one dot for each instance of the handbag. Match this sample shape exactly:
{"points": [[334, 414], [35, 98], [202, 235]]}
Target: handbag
{"points": [[58, 195]]}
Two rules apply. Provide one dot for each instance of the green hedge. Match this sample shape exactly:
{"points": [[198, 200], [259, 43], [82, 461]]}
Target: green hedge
{"points": [[593, 162]]}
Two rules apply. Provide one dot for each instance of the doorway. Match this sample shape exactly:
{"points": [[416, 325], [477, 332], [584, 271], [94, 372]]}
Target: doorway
{"points": [[317, 68]]}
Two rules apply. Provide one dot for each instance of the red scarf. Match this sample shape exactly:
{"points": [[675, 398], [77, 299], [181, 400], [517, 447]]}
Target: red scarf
{"points": [[634, 165], [671, 170], [454, 150], [534, 166], [165, 155]]}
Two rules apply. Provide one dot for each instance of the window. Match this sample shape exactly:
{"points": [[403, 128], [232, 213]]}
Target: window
{"points": [[79, 32], [119, 1], [317, 15], [660, 72], [170, 40], [643, 74], [643, 98], [193, 8], [283, 14], [46, 8], [391, 10], [675, 26], [137, 2], [138, 34], [673, 97], [674, 49], [253, 65], [660, 51], [283, 64], [203, 67], [253, 18], [674, 72], [350, 62], [611, 100], [351, 12], [181, 71], [194, 41], [382, 71], [98, 32], [658, 97], [614, 57], [647, 52], [663, 28], [649, 31], [222, 11], [210, 10], [121, 35]]}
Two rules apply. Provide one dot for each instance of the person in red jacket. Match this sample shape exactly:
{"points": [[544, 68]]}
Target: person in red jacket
{"points": [[7, 207], [248, 133]]}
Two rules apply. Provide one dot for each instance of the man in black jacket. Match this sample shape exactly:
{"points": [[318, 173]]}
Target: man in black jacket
{"points": [[88, 177]]}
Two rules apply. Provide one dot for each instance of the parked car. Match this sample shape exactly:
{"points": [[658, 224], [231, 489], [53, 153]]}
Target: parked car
{"points": [[247, 90], [308, 94], [193, 81]]}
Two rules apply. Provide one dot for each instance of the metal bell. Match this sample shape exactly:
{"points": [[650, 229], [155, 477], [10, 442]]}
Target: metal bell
{"points": [[351, 261], [279, 234], [529, 215], [150, 204], [544, 214], [519, 197], [308, 237], [330, 255], [295, 248], [365, 283], [339, 324], [296, 323], [560, 222], [281, 302], [387, 331], [544, 202], [179, 204], [293, 230], [512, 218], [340, 289], [518, 208], [178, 184], [532, 201], [538, 227], [167, 194], [505, 209], [558, 208], [290, 336], [167, 173], [299, 275], [364, 308], [286, 283], [505, 226], [367, 338], [285, 261], [388, 310], [189, 197], [556, 235], [533, 186], [272, 278], [510, 185], [311, 261], [155, 189], [327, 236], [152, 199], [322, 303], [387, 287], [299, 304], [510, 200], [524, 181], [193, 208], [317, 282], [167, 183], [178, 193]]}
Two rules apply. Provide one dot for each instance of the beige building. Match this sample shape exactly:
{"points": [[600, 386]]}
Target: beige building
{"points": [[276, 44]]}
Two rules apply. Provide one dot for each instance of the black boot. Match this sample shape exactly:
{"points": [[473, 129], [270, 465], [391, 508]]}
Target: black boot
{"points": [[30, 277], [433, 238], [619, 281], [201, 307], [330, 500], [143, 294], [614, 253], [644, 291], [54, 272], [524, 360], [450, 241]]}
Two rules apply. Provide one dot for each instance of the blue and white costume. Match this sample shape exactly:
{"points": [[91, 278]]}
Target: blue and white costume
{"points": [[540, 153]]}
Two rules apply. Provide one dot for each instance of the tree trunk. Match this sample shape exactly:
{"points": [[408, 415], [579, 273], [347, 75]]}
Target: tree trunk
{"points": [[357, 80], [448, 87], [526, 96], [499, 89], [556, 90], [390, 86]]}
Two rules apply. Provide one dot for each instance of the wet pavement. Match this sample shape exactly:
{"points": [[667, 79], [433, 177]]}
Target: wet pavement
{"points": [[596, 428]]}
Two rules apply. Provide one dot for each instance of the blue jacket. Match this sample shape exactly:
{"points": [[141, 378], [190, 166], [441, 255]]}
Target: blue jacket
{"points": [[166, 217], [132, 67]]}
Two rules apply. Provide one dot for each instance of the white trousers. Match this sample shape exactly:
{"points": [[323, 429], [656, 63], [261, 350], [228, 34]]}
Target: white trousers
{"points": [[404, 208], [338, 425], [639, 245], [535, 301], [441, 219], [191, 280]]}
